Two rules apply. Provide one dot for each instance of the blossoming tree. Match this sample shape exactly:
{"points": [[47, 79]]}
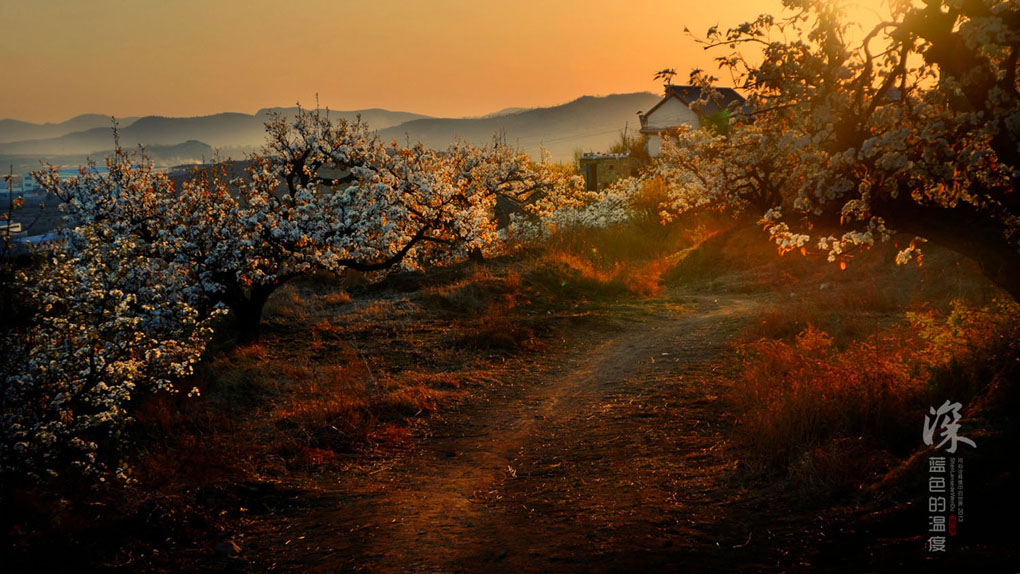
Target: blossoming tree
{"points": [[914, 128], [321, 195], [128, 306], [111, 322], [742, 171]]}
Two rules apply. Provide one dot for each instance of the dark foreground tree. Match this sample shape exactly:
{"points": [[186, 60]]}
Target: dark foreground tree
{"points": [[912, 127]]}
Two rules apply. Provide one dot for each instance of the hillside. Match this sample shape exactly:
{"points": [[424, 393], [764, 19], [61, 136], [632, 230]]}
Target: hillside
{"points": [[588, 123], [587, 402], [17, 130], [218, 130], [190, 151]]}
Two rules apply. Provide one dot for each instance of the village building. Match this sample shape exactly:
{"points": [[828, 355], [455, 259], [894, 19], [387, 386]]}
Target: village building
{"points": [[601, 169], [677, 109]]}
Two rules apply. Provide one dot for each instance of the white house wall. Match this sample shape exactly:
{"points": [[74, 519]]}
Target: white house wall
{"points": [[653, 145], [670, 115]]}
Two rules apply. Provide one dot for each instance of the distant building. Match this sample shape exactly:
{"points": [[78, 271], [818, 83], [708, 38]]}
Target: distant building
{"points": [[602, 169], [675, 110]]}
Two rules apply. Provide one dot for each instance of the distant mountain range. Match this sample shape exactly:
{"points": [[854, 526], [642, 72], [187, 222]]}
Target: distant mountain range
{"points": [[226, 130], [588, 123], [15, 130], [189, 152]]}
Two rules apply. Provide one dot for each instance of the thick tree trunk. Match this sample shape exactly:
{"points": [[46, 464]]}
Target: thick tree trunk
{"points": [[248, 313], [476, 255]]}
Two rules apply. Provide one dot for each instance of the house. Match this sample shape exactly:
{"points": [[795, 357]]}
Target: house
{"points": [[675, 110], [602, 169]]}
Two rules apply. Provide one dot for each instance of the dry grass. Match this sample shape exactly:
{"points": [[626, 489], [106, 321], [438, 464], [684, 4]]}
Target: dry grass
{"points": [[336, 298], [337, 374], [638, 278], [848, 311], [834, 375], [499, 330], [796, 396], [626, 259], [832, 417], [473, 295], [618, 261]]}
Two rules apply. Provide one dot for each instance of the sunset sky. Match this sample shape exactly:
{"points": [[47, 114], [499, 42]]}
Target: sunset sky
{"points": [[439, 57]]}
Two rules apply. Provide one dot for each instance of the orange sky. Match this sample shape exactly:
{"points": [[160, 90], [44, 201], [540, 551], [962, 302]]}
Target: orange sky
{"points": [[441, 57]]}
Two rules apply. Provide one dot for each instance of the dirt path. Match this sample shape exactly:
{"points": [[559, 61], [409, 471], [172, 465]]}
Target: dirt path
{"points": [[612, 459]]}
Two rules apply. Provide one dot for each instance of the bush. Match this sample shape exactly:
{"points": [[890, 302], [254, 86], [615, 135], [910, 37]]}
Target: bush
{"points": [[805, 404]]}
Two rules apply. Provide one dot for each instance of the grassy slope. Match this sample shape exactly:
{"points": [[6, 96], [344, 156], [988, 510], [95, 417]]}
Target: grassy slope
{"points": [[831, 387], [348, 373]]}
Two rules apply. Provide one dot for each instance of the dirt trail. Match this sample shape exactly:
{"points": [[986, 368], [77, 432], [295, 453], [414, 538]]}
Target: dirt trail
{"points": [[612, 459]]}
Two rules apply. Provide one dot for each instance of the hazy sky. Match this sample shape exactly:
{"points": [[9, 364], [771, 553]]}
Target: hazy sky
{"points": [[61, 58]]}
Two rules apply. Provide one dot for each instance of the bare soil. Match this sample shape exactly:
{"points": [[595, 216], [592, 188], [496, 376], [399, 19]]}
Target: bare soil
{"points": [[608, 454]]}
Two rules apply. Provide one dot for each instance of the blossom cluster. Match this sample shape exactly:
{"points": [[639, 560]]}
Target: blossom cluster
{"points": [[573, 209], [111, 323], [127, 305], [914, 128], [886, 139]]}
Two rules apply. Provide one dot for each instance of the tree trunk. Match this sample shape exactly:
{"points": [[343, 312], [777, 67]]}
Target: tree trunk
{"points": [[248, 314], [476, 255]]}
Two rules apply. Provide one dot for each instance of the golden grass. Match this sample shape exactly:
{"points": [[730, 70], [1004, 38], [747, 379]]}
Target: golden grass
{"points": [[832, 417], [335, 375], [626, 259], [796, 394], [835, 373], [336, 298]]}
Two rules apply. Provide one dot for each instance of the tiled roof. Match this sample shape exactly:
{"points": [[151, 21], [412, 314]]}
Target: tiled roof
{"points": [[721, 100]]}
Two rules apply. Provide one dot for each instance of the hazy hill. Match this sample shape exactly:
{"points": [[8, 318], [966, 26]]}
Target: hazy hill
{"points": [[588, 123], [16, 130], [376, 118], [506, 112], [219, 130], [191, 151]]}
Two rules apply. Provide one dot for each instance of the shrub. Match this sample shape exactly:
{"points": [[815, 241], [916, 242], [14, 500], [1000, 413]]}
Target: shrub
{"points": [[801, 403]]}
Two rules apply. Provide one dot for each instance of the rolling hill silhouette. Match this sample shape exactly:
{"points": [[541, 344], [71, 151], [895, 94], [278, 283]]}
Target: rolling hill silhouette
{"points": [[225, 130], [16, 130], [588, 123]]}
